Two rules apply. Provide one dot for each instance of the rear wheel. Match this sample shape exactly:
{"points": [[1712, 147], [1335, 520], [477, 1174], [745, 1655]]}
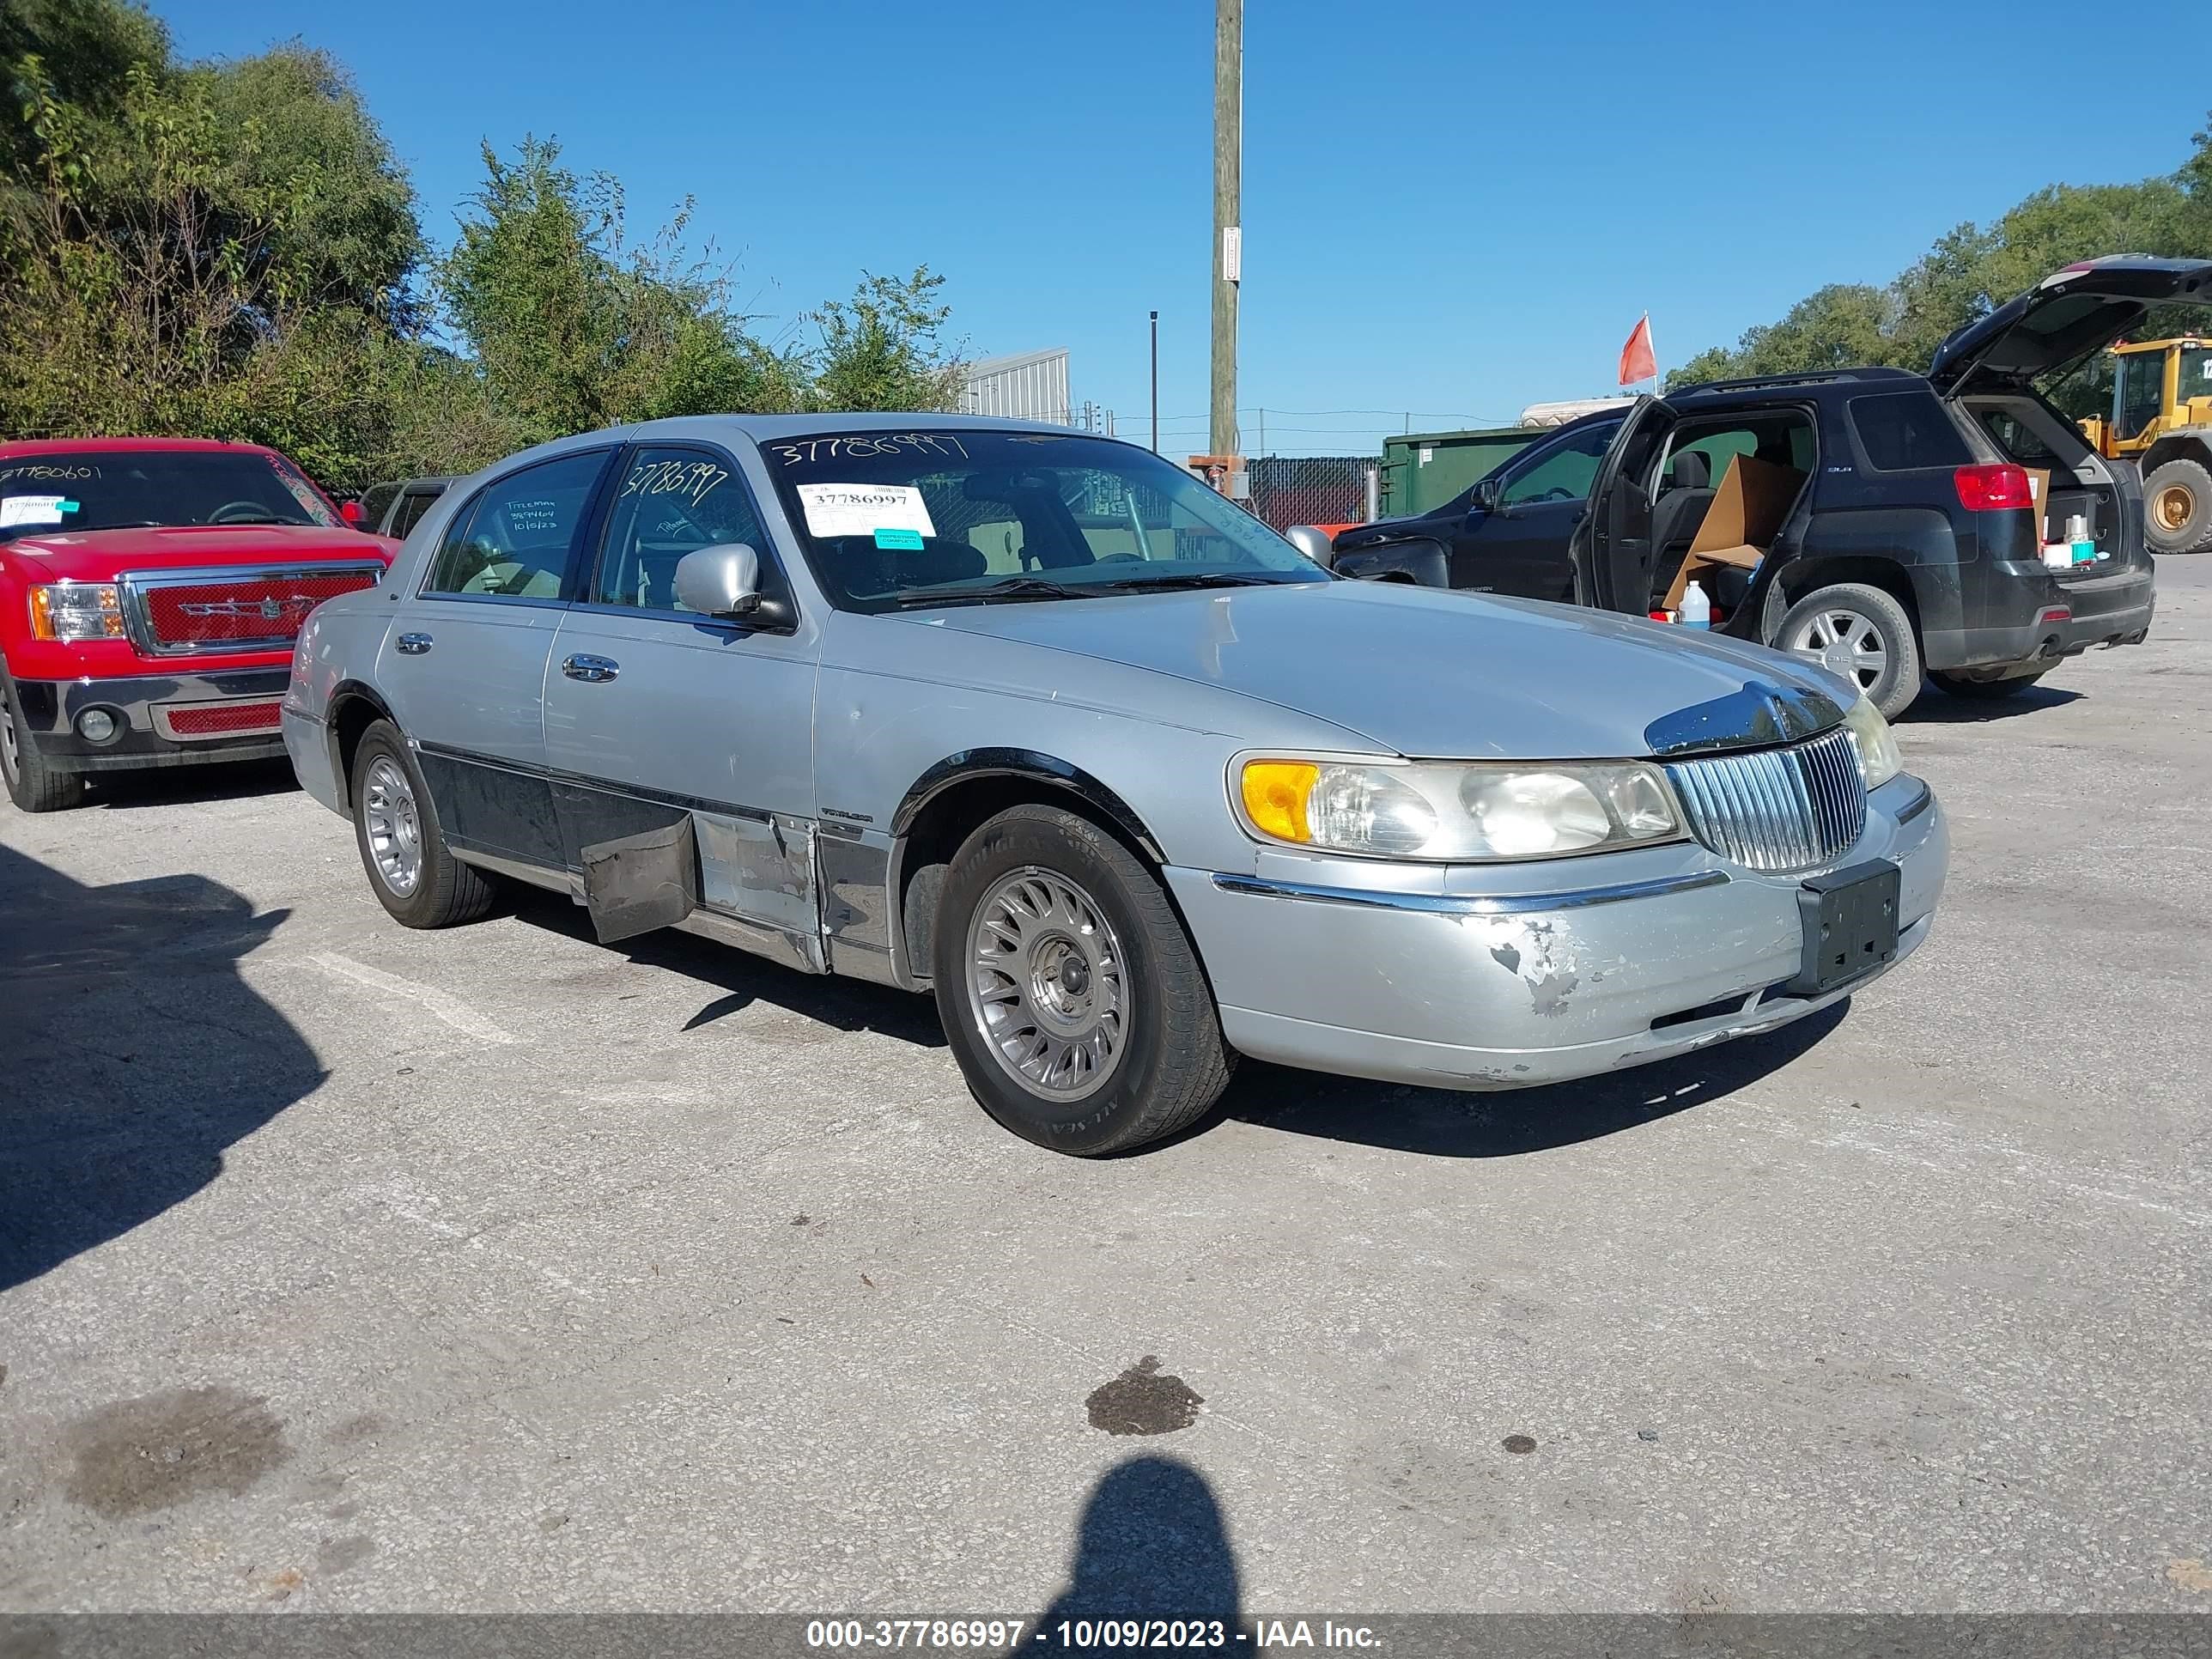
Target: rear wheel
{"points": [[1071, 996], [412, 872], [1986, 687], [34, 783], [1862, 634], [2178, 507]]}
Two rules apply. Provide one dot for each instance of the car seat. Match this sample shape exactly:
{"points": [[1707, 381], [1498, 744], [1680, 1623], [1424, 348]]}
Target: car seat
{"points": [[1678, 514]]}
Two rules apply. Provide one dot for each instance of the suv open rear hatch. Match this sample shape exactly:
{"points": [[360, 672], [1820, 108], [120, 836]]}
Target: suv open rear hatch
{"points": [[2069, 314]]}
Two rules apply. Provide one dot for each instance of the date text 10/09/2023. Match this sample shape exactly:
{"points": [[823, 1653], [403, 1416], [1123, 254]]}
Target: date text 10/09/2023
{"points": [[1006, 1635]]}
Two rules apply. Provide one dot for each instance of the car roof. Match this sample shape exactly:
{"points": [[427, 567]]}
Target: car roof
{"points": [[1759, 386], [111, 445]]}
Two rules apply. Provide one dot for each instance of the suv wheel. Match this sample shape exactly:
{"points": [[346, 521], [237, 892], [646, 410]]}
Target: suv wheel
{"points": [[34, 784], [417, 879], [2178, 507], [1862, 634], [1070, 994]]}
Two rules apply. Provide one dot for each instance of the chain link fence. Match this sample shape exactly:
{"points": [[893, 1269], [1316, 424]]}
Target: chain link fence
{"points": [[1310, 489]]}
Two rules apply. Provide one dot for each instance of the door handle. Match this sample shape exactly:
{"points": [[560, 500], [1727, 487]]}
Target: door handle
{"points": [[412, 645], [595, 671]]}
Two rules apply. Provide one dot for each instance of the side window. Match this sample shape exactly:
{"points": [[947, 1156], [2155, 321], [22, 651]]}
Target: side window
{"points": [[513, 541], [373, 504], [1563, 474], [1902, 430], [412, 506], [671, 501]]}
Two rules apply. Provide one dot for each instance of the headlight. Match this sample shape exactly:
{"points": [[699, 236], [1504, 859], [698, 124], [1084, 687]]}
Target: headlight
{"points": [[76, 610], [1460, 812], [1879, 760]]}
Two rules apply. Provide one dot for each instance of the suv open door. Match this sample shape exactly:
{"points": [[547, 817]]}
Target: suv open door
{"points": [[1610, 550]]}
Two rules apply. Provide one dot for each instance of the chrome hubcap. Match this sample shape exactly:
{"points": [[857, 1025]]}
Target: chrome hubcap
{"points": [[1045, 985], [394, 826], [1843, 642]]}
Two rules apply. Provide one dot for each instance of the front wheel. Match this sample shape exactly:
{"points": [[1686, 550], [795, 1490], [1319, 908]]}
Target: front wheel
{"points": [[2178, 507], [34, 783], [413, 873], [1071, 996], [1862, 634]]}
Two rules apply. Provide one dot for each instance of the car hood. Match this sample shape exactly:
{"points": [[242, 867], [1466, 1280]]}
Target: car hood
{"points": [[1440, 675], [98, 555], [2070, 313]]}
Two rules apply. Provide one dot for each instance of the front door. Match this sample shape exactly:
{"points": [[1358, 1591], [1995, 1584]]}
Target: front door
{"points": [[1610, 550], [658, 719], [464, 668], [1519, 545]]}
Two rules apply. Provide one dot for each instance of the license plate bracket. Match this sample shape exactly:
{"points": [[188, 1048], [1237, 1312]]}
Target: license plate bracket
{"points": [[1850, 919]]}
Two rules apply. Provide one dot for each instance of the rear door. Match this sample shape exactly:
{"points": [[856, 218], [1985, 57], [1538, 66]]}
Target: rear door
{"points": [[464, 668], [1611, 552], [662, 722]]}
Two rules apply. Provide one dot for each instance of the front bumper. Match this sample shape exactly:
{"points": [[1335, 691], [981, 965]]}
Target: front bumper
{"points": [[160, 719], [1510, 978]]}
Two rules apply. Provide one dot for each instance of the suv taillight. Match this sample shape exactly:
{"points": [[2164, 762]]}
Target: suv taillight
{"points": [[1992, 488]]}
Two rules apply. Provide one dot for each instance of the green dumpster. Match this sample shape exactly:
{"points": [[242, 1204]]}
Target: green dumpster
{"points": [[1422, 470]]}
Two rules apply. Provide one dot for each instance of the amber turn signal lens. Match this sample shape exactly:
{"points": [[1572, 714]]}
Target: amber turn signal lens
{"points": [[1275, 794]]}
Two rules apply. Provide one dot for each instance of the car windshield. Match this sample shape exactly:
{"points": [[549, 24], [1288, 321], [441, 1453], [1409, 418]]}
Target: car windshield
{"points": [[103, 490], [893, 518]]}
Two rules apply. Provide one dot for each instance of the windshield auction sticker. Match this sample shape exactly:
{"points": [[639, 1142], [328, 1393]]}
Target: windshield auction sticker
{"points": [[36, 509], [862, 509]]}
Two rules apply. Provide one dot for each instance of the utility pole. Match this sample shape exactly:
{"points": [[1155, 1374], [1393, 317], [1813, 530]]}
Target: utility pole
{"points": [[1156, 383], [1228, 212]]}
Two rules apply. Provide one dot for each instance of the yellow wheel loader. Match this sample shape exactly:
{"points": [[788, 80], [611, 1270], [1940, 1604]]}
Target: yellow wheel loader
{"points": [[2161, 419]]}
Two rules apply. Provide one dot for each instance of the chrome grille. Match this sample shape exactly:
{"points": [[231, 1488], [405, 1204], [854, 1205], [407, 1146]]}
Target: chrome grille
{"points": [[1777, 809]]}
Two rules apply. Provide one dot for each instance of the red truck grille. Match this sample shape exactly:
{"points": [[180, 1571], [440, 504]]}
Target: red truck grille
{"points": [[245, 610], [220, 720]]}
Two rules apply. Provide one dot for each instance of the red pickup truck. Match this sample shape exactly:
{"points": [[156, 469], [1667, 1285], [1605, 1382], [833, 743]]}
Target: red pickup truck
{"points": [[150, 590]]}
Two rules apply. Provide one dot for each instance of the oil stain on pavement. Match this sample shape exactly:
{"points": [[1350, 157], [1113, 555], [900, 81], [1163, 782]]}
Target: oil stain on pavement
{"points": [[138, 1455], [1142, 1401]]}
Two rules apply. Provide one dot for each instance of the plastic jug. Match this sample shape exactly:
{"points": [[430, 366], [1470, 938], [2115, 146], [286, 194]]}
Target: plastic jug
{"points": [[1696, 610]]}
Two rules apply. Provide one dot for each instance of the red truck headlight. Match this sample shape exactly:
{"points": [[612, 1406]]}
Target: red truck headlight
{"points": [[76, 610]]}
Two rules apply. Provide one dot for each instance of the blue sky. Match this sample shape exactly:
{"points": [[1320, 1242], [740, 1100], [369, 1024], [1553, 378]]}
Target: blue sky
{"points": [[1450, 209]]}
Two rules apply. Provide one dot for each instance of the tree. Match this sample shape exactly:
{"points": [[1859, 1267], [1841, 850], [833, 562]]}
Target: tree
{"points": [[572, 327], [880, 350]]}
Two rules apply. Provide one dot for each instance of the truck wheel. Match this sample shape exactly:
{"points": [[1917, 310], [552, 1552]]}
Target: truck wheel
{"points": [[1070, 994], [2178, 507], [1964, 684], [395, 823], [1862, 634], [34, 783]]}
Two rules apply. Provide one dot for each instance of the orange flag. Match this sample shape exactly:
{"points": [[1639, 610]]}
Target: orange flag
{"points": [[1637, 363]]}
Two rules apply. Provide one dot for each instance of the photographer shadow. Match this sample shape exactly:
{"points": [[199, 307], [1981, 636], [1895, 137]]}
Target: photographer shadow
{"points": [[1150, 1545]]}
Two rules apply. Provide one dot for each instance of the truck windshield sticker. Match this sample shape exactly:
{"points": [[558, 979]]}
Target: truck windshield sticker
{"points": [[862, 509], [35, 509]]}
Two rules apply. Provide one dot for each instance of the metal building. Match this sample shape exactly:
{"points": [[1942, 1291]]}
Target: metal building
{"points": [[1031, 386]]}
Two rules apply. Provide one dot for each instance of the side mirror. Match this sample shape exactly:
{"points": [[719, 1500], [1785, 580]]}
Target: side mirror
{"points": [[723, 581], [1315, 543], [349, 511], [1486, 496]]}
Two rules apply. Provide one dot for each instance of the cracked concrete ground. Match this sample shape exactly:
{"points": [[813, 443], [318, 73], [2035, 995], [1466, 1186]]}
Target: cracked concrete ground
{"points": [[348, 1268]]}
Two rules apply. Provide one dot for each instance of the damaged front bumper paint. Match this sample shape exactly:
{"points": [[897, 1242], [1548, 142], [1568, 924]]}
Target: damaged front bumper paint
{"points": [[1506, 977]]}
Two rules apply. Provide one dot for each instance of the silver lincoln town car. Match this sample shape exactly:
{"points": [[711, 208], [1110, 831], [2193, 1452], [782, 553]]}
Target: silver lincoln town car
{"points": [[1035, 722]]}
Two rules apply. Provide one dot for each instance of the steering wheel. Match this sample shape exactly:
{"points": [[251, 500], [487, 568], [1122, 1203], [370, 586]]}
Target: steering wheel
{"points": [[252, 510], [1557, 494]]}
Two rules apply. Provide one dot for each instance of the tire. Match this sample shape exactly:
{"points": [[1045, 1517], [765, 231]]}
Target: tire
{"points": [[2177, 507], [1985, 690], [34, 783], [395, 820], [1862, 634], [1139, 1054]]}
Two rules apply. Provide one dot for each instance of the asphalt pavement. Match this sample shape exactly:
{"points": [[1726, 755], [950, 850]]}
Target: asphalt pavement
{"points": [[347, 1268]]}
